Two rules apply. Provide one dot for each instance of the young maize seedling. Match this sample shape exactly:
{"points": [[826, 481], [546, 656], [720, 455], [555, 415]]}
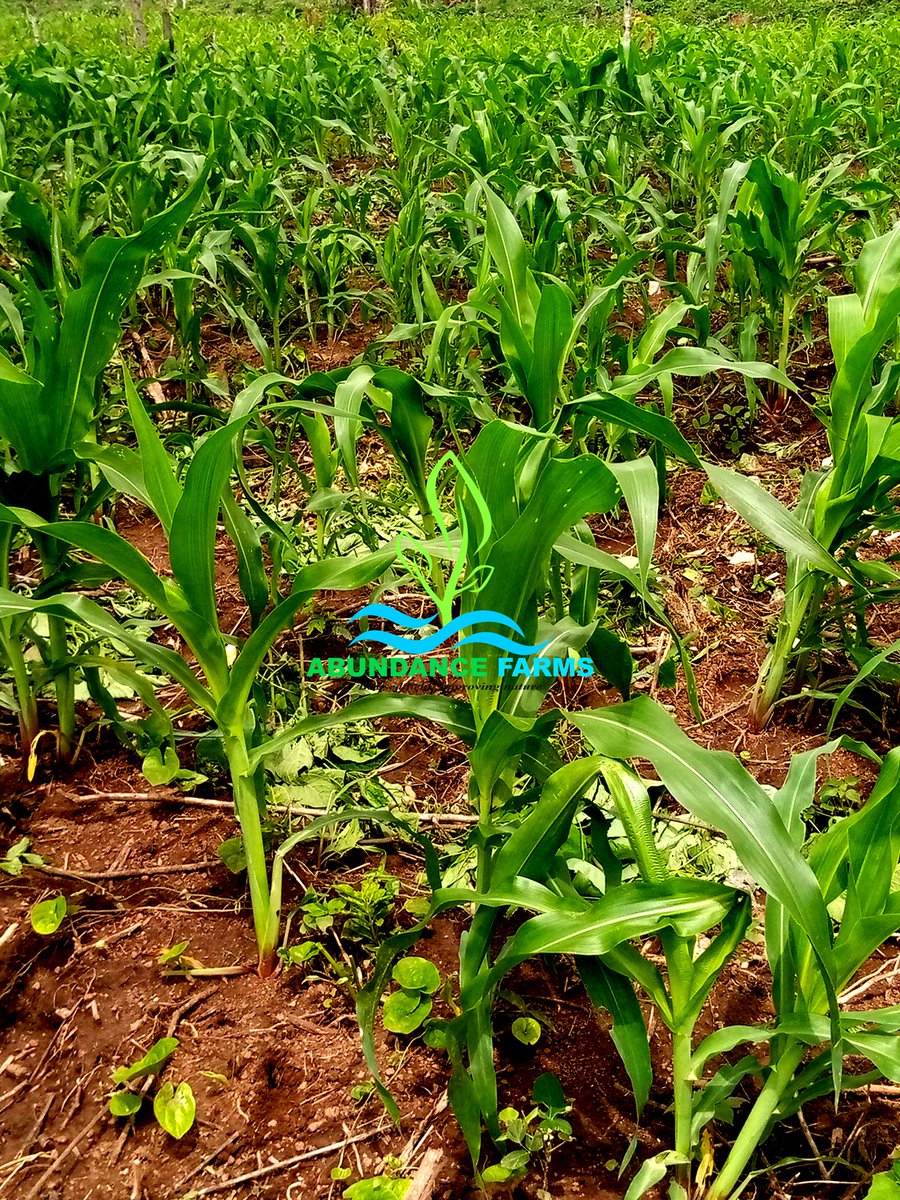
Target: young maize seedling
{"points": [[850, 495], [222, 682], [844, 877], [47, 405]]}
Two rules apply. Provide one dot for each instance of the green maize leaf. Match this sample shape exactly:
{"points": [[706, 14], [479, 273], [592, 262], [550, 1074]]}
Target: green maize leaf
{"points": [[113, 550], [498, 739], [717, 1091], [410, 425], [243, 674], [617, 410], [85, 612], [829, 853], [791, 800], [859, 937], [478, 1031], [121, 466], [853, 382], [887, 1020], [874, 849], [714, 787], [530, 849], [23, 422], [249, 398], [342, 574], [870, 667], [519, 892], [552, 331], [654, 336], [694, 361], [638, 482], [252, 577], [492, 460], [724, 1040], [331, 574], [882, 1049], [761, 510], [846, 325], [708, 966], [523, 696], [349, 395], [612, 658], [527, 852], [651, 1172], [510, 254], [689, 906], [128, 562], [704, 276], [518, 352], [192, 543], [158, 477], [607, 989], [797, 793], [634, 810], [565, 491], [61, 413], [877, 273]]}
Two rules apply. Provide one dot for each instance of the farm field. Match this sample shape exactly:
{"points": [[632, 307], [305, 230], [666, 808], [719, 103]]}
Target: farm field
{"points": [[449, 602]]}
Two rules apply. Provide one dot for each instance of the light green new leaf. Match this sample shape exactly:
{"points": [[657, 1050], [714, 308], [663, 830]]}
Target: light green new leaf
{"points": [[175, 1108]]}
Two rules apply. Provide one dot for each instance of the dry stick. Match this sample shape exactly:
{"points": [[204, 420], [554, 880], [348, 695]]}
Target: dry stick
{"points": [[34, 23], [34, 1133], [409, 1151], [817, 1154], [7, 1098], [211, 1157], [140, 25], [426, 1177], [138, 873], [287, 1162], [428, 818], [191, 1002], [37, 1191], [717, 716], [889, 969]]}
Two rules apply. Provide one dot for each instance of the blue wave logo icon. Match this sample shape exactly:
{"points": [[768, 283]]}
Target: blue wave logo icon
{"points": [[425, 644], [424, 562]]}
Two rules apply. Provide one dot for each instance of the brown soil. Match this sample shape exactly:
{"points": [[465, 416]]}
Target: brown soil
{"points": [[272, 1062]]}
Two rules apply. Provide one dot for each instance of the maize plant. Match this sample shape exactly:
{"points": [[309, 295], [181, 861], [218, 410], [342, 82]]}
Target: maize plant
{"points": [[844, 878], [49, 402], [221, 684], [849, 497]]}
